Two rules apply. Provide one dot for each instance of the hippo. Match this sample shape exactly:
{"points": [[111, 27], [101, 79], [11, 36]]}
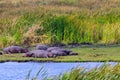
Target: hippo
{"points": [[73, 53], [1, 53], [41, 47], [38, 54], [66, 51], [7, 50], [58, 52], [15, 49], [60, 49], [28, 54], [52, 48]]}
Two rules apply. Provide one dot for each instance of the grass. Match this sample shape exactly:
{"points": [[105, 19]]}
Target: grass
{"points": [[105, 72], [64, 21], [85, 54]]}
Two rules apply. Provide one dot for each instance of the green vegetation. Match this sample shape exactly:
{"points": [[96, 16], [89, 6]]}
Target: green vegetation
{"points": [[105, 72], [90, 53], [59, 21]]}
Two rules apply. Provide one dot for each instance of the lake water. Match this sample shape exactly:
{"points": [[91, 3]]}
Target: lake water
{"points": [[19, 71]]}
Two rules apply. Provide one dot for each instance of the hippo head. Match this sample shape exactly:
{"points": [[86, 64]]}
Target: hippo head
{"points": [[28, 54], [1, 53], [24, 55], [51, 55], [73, 53], [24, 50]]}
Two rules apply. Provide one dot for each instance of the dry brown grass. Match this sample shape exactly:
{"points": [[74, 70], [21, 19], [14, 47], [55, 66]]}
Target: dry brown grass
{"points": [[18, 7]]}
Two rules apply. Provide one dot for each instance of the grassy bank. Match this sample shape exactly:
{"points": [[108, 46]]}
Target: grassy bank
{"points": [[59, 21], [89, 53]]}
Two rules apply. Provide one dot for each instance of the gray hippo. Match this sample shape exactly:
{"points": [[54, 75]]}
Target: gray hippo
{"points": [[39, 54], [73, 53], [58, 52], [41, 47], [1, 53], [15, 49], [7, 50], [52, 48], [28, 54], [59, 49], [66, 51]]}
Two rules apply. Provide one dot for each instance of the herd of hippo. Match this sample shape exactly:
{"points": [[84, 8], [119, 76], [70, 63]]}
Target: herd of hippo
{"points": [[40, 51]]}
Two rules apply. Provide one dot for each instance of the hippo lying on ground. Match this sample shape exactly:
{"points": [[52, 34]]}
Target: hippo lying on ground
{"points": [[42, 51], [52, 48], [57, 49], [41, 47], [39, 54], [15, 49], [1, 53], [58, 52], [73, 53]]}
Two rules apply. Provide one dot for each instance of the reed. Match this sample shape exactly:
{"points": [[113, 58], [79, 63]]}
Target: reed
{"points": [[103, 72]]}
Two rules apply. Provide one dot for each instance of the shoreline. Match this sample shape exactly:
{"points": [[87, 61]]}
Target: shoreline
{"points": [[41, 61], [85, 54]]}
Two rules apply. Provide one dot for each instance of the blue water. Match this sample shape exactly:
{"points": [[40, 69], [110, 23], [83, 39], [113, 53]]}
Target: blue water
{"points": [[19, 71]]}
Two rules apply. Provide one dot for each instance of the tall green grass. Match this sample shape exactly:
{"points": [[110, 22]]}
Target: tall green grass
{"points": [[105, 72], [81, 28], [84, 22]]}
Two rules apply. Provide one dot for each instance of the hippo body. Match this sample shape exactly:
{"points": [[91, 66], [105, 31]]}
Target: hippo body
{"points": [[28, 54], [1, 53], [38, 54], [6, 50], [73, 53], [66, 51], [15, 49], [52, 48], [41, 47], [58, 52]]}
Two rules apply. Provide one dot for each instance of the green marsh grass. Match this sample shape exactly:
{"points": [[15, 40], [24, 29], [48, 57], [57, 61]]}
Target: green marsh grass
{"points": [[64, 21]]}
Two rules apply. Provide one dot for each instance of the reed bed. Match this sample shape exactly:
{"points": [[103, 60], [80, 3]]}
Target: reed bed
{"points": [[104, 72]]}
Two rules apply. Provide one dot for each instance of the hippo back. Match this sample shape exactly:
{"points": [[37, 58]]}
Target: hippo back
{"points": [[58, 52], [15, 49], [41, 47], [66, 51], [6, 50], [39, 53], [1, 53], [52, 48], [73, 53]]}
